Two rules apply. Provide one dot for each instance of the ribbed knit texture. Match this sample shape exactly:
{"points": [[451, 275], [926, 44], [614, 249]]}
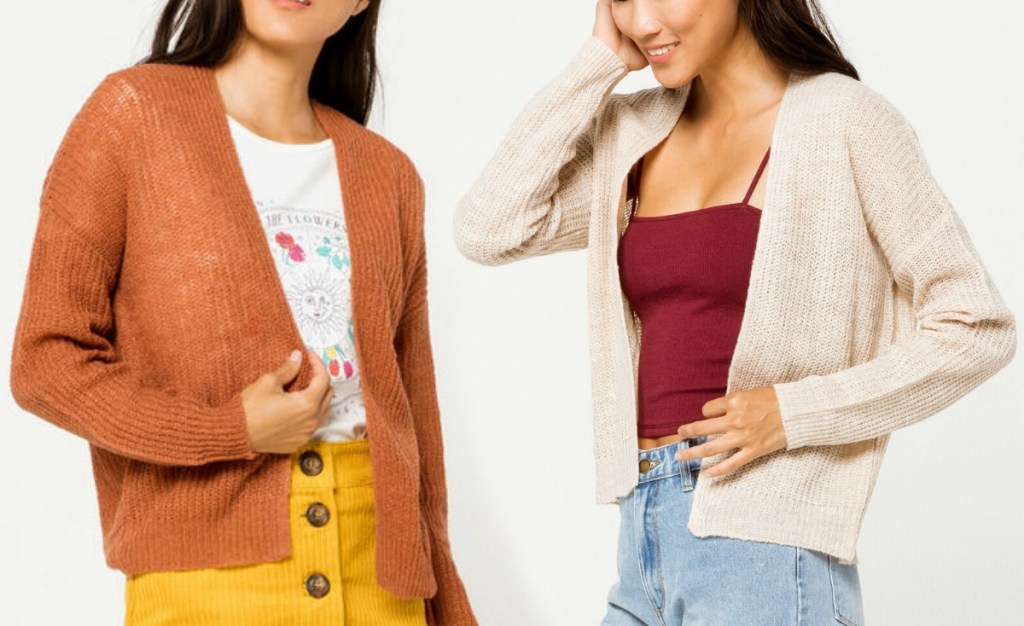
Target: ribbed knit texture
{"points": [[686, 276], [275, 594], [152, 301], [868, 308]]}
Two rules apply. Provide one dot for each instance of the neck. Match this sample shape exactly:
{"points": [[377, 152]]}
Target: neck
{"points": [[267, 90], [739, 82]]}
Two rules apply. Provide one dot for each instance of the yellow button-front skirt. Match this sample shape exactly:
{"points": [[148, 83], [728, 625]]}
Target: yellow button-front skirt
{"points": [[328, 579]]}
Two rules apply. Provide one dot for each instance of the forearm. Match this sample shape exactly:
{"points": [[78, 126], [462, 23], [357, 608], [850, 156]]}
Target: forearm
{"points": [[66, 369], [963, 332]]}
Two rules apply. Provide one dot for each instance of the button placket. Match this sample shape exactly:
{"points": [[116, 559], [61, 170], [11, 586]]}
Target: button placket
{"points": [[312, 500]]}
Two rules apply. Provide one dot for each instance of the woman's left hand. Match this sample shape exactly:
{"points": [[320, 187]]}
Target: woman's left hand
{"points": [[750, 423]]}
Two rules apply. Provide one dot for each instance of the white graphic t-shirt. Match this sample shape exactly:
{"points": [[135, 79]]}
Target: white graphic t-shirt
{"points": [[296, 191]]}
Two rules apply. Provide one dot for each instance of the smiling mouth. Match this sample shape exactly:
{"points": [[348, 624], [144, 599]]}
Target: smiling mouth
{"points": [[657, 52]]}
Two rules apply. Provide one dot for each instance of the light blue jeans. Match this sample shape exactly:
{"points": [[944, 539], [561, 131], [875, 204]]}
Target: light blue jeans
{"points": [[669, 577]]}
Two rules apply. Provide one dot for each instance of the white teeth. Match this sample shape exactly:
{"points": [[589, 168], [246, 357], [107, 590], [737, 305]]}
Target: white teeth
{"points": [[662, 50]]}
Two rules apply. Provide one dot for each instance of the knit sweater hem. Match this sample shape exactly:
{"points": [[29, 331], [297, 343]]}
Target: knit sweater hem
{"points": [[833, 529]]}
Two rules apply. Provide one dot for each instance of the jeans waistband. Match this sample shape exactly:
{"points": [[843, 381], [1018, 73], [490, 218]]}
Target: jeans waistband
{"points": [[660, 462]]}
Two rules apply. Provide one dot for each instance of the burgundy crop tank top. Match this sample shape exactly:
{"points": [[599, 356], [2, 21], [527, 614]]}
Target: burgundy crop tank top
{"points": [[686, 276]]}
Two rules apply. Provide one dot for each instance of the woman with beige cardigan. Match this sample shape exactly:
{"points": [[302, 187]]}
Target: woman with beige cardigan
{"points": [[784, 337]]}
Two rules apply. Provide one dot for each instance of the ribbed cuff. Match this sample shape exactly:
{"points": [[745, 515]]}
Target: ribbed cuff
{"points": [[595, 57], [802, 420]]}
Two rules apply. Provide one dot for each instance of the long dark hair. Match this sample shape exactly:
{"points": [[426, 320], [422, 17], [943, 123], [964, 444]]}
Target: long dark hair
{"points": [[795, 35], [344, 76]]}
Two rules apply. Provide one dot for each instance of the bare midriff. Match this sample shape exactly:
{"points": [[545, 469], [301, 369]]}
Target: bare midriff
{"points": [[646, 443]]}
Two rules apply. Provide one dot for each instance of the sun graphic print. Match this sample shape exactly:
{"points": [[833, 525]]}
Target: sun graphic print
{"points": [[321, 305]]}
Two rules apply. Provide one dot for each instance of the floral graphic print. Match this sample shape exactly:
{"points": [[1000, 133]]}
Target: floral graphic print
{"points": [[293, 251], [331, 249]]}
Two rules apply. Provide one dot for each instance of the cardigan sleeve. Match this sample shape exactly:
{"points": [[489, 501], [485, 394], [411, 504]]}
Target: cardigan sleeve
{"points": [[534, 197], [65, 362], [964, 332], [450, 605]]}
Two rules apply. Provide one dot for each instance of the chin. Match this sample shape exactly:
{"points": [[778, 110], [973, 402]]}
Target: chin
{"points": [[284, 38], [670, 78]]}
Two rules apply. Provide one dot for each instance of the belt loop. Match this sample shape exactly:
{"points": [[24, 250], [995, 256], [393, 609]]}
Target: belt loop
{"points": [[685, 474]]}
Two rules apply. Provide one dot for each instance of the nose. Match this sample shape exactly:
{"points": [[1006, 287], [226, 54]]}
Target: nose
{"points": [[645, 24]]}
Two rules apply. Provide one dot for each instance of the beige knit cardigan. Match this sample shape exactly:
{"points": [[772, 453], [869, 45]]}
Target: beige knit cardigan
{"points": [[868, 308]]}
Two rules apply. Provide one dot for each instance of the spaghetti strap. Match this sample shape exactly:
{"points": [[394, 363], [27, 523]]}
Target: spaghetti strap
{"points": [[757, 176]]}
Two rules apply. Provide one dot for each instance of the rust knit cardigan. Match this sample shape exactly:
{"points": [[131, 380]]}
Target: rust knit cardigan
{"points": [[152, 300]]}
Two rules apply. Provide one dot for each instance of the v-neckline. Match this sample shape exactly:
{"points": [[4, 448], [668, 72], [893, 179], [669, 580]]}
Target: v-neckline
{"points": [[779, 151], [233, 179], [767, 225]]}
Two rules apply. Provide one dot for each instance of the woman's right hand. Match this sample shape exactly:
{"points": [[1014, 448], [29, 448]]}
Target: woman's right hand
{"points": [[606, 30], [280, 421]]}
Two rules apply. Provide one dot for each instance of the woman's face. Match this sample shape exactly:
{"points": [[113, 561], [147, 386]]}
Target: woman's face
{"points": [[680, 38], [287, 23]]}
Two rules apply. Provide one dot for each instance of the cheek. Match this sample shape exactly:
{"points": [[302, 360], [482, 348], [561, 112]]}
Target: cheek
{"points": [[718, 27], [704, 35]]}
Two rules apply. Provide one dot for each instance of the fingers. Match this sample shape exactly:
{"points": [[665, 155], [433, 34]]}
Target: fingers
{"points": [[730, 464], [319, 391], [604, 24], [708, 448], [320, 380], [287, 371], [324, 410], [749, 423], [633, 48], [716, 407], [700, 428]]}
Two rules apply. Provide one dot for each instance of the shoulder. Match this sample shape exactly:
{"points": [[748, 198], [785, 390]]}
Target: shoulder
{"points": [[152, 74], [643, 113], [379, 161], [835, 96], [111, 113], [369, 146], [126, 99], [131, 85], [391, 156]]}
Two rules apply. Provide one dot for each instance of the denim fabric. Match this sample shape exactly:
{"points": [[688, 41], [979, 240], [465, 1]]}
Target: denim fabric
{"points": [[668, 577]]}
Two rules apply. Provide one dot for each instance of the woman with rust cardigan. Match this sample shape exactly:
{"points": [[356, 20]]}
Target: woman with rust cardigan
{"points": [[234, 488]]}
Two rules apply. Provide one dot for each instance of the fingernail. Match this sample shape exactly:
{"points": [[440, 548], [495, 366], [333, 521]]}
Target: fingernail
{"points": [[295, 355]]}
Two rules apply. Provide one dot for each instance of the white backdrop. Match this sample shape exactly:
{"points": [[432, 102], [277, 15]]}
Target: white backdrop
{"points": [[942, 541]]}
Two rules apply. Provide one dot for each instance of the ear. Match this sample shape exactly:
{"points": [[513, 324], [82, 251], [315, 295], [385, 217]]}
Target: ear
{"points": [[360, 7]]}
